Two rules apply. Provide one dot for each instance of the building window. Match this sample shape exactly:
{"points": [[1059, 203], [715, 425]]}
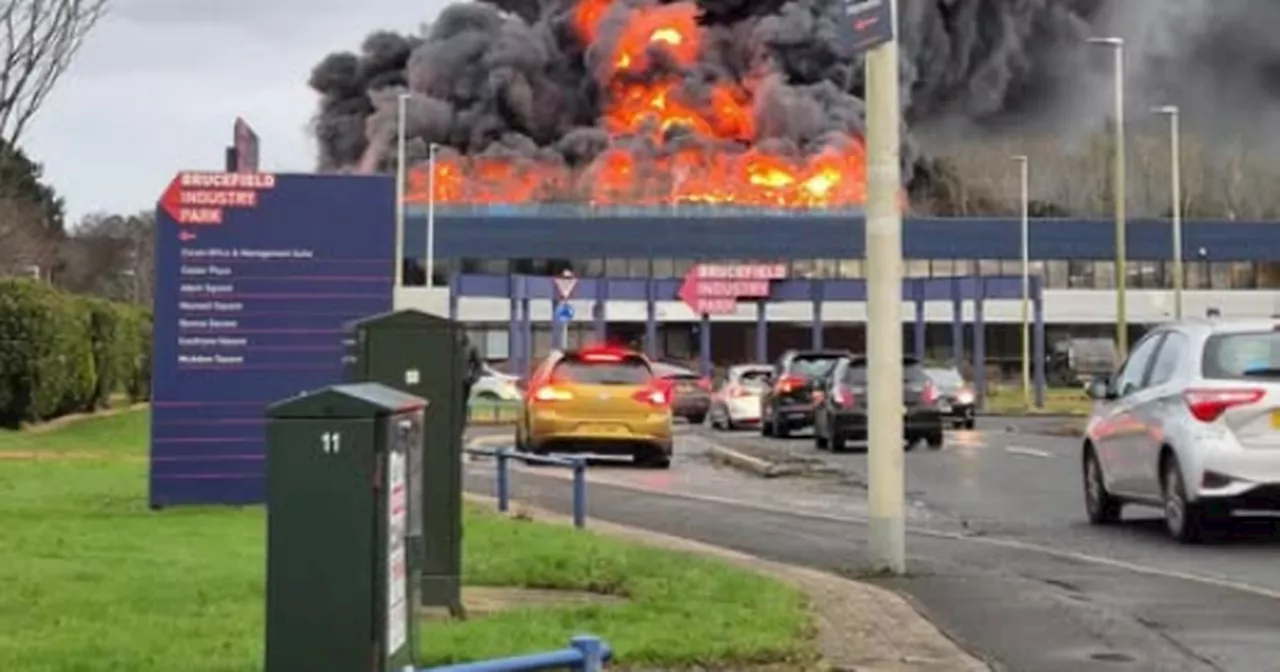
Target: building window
{"points": [[942, 268], [916, 268], [1146, 275], [1220, 275], [615, 268], [1080, 274], [1056, 274], [441, 270], [852, 269], [680, 267], [664, 267], [1104, 275], [589, 268], [1243, 275], [826, 268], [988, 267], [638, 268], [803, 268]]}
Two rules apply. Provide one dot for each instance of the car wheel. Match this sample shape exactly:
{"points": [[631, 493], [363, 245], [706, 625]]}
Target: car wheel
{"points": [[910, 444], [934, 440], [765, 428], [780, 428], [969, 423], [698, 419], [837, 441], [1184, 520], [1103, 509]]}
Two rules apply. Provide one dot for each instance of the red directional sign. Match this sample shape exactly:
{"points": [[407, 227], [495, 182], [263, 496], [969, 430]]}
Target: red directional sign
{"points": [[714, 289], [200, 198]]}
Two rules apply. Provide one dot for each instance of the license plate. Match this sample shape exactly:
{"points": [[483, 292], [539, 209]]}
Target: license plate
{"points": [[1275, 419], [604, 429], [945, 408], [795, 416]]}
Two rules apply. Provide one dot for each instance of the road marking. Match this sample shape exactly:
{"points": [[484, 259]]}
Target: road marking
{"points": [[1147, 570], [1029, 452]]}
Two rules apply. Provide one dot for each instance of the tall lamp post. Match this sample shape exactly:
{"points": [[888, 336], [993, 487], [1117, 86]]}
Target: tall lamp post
{"points": [[887, 483], [431, 214], [401, 169], [1116, 44], [1175, 192], [1025, 209]]}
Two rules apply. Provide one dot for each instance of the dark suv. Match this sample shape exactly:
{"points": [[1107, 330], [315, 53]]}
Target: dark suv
{"points": [[788, 403], [841, 413]]}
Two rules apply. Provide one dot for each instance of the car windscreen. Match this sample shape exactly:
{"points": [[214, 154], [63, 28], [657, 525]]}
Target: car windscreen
{"points": [[948, 378], [812, 368], [628, 371], [856, 374], [1252, 355]]}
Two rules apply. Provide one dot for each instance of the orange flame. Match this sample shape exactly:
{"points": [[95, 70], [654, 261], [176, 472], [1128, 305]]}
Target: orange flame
{"points": [[648, 99]]}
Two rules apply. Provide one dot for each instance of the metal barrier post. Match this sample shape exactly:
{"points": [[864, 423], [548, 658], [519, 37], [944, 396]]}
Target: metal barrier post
{"points": [[592, 650], [504, 475], [579, 493]]}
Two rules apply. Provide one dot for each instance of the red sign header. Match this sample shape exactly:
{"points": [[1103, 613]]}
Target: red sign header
{"points": [[714, 289], [199, 198]]}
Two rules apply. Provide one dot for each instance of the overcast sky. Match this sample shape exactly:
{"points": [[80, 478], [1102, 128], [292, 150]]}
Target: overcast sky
{"points": [[159, 84]]}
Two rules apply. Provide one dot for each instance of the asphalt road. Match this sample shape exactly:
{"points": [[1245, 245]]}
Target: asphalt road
{"points": [[1000, 555]]}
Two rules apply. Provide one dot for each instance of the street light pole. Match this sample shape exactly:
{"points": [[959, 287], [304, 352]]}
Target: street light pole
{"points": [[1175, 191], [887, 482], [431, 214], [1025, 208], [1116, 44], [401, 103]]}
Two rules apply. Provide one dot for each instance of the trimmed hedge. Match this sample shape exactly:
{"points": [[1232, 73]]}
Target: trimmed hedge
{"points": [[62, 354]]}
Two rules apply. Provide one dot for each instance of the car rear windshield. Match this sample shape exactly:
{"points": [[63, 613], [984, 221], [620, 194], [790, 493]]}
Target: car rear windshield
{"points": [[628, 371], [813, 367], [946, 377], [857, 373], [1242, 356], [757, 378]]}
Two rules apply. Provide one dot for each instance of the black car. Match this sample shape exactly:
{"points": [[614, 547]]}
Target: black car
{"points": [[787, 404], [955, 397], [690, 392], [841, 413]]}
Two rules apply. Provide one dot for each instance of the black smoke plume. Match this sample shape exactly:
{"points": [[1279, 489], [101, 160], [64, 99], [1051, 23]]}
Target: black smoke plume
{"points": [[513, 77]]}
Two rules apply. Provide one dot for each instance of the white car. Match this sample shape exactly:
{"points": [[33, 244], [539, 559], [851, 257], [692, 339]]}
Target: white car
{"points": [[495, 385], [1190, 424], [737, 402]]}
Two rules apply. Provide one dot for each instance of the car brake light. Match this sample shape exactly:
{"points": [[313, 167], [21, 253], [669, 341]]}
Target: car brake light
{"points": [[652, 396], [844, 396], [929, 395], [1209, 405], [549, 393], [601, 357], [704, 383], [739, 391], [790, 384]]}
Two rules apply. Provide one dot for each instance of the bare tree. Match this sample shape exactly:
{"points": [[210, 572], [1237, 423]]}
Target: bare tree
{"points": [[38, 39], [111, 256], [24, 249]]}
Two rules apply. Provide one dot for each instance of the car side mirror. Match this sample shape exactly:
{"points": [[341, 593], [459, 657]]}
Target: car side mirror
{"points": [[1098, 389]]}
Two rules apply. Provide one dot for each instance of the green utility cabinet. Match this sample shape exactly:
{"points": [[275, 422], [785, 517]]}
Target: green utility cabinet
{"points": [[423, 355], [342, 495]]}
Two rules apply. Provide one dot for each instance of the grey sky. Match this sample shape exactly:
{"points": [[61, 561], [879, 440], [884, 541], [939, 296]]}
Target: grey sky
{"points": [[158, 85]]}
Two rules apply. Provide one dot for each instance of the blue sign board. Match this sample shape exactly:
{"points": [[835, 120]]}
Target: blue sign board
{"points": [[865, 24], [256, 274], [564, 312]]}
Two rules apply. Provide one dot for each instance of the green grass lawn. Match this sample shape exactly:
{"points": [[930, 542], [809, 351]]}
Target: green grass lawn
{"points": [[1007, 399], [94, 581]]}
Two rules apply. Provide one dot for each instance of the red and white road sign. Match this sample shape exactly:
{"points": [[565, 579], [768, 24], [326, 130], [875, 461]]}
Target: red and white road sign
{"points": [[714, 289], [564, 286]]}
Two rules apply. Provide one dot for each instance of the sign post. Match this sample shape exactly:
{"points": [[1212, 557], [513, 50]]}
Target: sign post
{"points": [[562, 310]]}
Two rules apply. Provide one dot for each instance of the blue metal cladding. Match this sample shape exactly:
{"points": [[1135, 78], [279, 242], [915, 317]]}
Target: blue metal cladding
{"points": [[766, 236], [235, 331]]}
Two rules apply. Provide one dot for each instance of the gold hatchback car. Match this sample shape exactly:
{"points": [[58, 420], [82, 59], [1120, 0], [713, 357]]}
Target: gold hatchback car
{"points": [[600, 401]]}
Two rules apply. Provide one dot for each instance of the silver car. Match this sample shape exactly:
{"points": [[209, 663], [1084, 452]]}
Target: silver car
{"points": [[1191, 424], [737, 402]]}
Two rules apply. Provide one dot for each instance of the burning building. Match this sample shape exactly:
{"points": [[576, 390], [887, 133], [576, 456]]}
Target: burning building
{"points": [[636, 102]]}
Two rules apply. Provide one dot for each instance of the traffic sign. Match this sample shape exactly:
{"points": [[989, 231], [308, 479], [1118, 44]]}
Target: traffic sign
{"points": [[564, 312], [714, 289], [565, 285], [865, 24]]}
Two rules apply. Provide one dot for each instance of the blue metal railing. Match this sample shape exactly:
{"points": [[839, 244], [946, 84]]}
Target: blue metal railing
{"points": [[502, 458], [585, 654]]}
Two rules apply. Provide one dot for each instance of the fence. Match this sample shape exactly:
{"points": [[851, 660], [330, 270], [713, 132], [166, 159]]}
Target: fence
{"points": [[502, 459], [585, 654]]}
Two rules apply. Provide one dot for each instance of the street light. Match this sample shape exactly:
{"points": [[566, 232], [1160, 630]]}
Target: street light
{"points": [[1175, 192], [431, 214], [886, 527], [401, 104], [1025, 207], [1116, 44]]}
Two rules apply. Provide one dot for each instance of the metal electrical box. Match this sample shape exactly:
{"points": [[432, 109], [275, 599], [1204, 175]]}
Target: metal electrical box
{"points": [[343, 477], [423, 355]]}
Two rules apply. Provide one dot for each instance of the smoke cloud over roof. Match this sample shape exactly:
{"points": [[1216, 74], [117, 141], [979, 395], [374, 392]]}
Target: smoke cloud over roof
{"points": [[747, 101]]}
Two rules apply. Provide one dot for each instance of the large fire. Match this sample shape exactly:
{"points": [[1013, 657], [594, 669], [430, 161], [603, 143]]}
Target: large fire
{"points": [[643, 103]]}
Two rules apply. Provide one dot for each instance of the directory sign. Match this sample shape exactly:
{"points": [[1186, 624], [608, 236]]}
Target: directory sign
{"points": [[256, 274]]}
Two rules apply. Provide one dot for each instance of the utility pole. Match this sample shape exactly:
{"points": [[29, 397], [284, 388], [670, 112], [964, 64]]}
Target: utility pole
{"points": [[887, 482]]}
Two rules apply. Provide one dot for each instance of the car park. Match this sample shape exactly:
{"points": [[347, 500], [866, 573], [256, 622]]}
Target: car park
{"points": [[787, 404], [1190, 424], [691, 393], [956, 399], [842, 411], [737, 401], [597, 401]]}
